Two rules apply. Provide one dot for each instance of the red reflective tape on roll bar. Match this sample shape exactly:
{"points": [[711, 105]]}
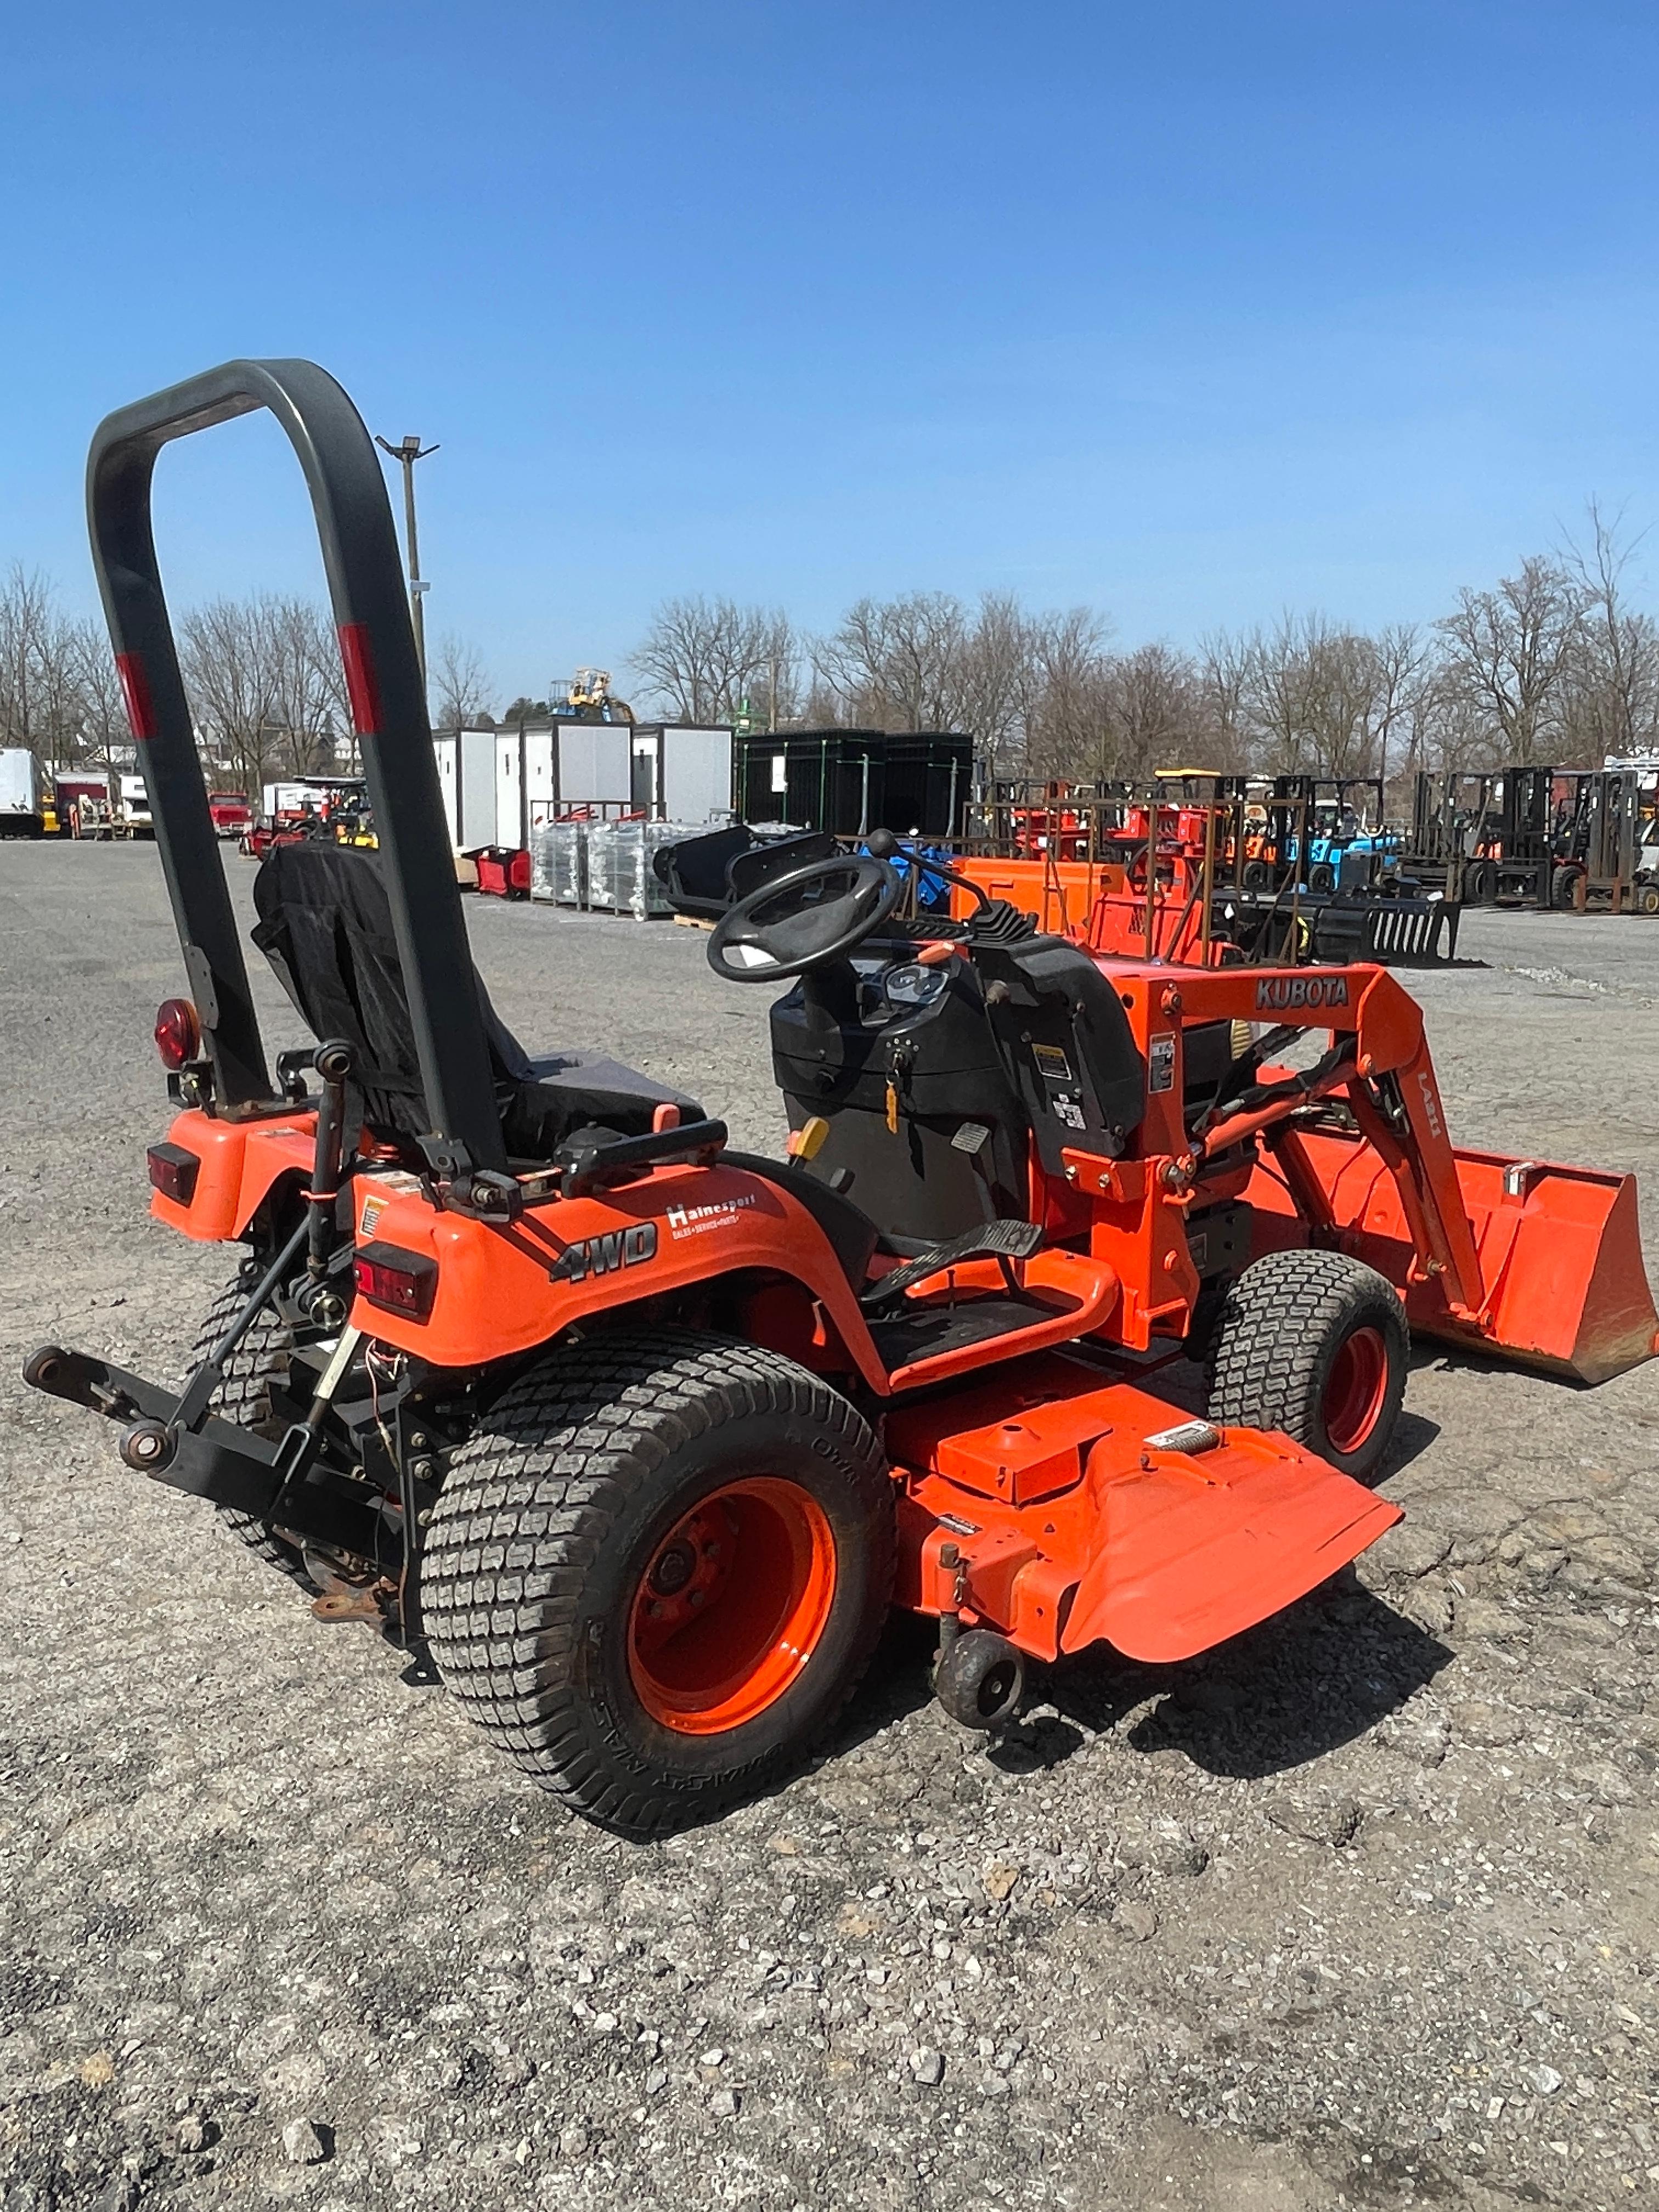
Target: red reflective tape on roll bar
{"points": [[135, 689], [361, 686]]}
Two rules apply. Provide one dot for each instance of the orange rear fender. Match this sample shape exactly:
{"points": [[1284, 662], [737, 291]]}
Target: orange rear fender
{"points": [[502, 1289], [241, 1162]]}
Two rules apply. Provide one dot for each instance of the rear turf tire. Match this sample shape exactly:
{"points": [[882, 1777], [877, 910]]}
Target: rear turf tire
{"points": [[244, 1397], [609, 1485], [1314, 1344]]}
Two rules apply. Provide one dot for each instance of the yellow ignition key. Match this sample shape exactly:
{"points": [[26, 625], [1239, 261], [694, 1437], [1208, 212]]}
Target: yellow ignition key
{"points": [[892, 1108]]}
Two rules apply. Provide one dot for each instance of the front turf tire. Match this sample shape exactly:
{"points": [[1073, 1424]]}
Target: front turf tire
{"points": [[1314, 1344], [611, 1488]]}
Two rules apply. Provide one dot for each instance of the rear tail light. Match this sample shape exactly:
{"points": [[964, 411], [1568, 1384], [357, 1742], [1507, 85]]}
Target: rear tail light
{"points": [[398, 1282], [172, 1172], [178, 1034]]}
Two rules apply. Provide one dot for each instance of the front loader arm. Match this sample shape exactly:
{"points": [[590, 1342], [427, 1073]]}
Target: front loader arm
{"points": [[1396, 1104]]}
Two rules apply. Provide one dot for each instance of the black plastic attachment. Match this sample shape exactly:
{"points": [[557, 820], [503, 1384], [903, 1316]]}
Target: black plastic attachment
{"points": [[593, 1158], [388, 703]]}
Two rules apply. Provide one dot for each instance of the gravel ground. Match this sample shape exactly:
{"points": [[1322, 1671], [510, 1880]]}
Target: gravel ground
{"points": [[1358, 1911]]}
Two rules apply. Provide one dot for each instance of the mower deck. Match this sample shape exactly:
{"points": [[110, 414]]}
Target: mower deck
{"points": [[1065, 1516]]}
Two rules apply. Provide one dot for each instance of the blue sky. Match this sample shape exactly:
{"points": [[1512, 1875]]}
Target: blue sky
{"points": [[1190, 312]]}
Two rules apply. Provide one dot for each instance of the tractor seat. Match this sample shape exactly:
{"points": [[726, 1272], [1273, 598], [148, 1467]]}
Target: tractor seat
{"points": [[325, 926]]}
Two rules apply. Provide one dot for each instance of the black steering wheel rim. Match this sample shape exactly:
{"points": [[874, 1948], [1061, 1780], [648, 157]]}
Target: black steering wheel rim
{"points": [[755, 942]]}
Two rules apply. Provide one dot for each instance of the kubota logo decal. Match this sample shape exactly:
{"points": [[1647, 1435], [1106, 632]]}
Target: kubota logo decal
{"points": [[1431, 1106], [1281, 994], [603, 1254]]}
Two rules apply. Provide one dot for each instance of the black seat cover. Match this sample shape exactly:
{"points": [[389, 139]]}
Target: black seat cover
{"points": [[325, 926], [1068, 1046]]}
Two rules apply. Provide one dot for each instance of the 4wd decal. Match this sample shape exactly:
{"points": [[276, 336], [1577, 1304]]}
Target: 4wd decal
{"points": [[1279, 994], [603, 1254]]}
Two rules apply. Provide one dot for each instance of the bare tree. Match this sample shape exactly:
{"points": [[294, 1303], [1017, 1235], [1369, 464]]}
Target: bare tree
{"points": [[992, 690], [1509, 652], [225, 655], [1611, 690], [896, 663], [1315, 698], [266, 687], [27, 616], [460, 686], [103, 710], [308, 701], [53, 698], [703, 658], [1223, 667], [1067, 727]]}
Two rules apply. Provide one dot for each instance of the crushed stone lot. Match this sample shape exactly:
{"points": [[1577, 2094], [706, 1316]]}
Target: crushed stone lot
{"points": [[1357, 1911]]}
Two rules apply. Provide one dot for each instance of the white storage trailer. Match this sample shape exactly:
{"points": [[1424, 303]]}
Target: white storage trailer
{"points": [[466, 777], [567, 767], [665, 771], [682, 771]]}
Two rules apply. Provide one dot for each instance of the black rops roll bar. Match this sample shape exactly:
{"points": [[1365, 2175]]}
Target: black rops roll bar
{"points": [[389, 712]]}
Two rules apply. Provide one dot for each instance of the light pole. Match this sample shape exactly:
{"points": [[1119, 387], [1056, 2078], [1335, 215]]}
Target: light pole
{"points": [[409, 453]]}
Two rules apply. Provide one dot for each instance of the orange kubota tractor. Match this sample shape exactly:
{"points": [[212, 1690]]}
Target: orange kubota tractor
{"points": [[639, 1437]]}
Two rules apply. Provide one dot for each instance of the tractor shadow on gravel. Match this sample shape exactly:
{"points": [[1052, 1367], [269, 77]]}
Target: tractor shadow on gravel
{"points": [[1282, 1695], [1279, 1696]]}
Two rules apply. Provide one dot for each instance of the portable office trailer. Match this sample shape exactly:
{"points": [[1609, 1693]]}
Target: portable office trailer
{"points": [[562, 767], [466, 777], [682, 771], [852, 782]]}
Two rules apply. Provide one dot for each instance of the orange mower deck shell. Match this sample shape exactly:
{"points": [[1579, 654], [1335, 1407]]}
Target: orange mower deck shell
{"points": [[1070, 1527]]}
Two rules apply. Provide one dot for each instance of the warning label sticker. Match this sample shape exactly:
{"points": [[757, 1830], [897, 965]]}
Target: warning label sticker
{"points": [[1161, 1064]]}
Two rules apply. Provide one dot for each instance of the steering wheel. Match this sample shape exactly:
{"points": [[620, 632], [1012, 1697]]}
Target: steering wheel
{"points": [[804, 920]]}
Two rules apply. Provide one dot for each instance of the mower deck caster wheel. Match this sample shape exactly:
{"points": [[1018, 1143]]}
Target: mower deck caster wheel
{"points": [[980, 1679]]}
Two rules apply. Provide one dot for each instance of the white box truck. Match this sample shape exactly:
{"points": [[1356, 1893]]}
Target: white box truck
{"points": [[22, 793]]}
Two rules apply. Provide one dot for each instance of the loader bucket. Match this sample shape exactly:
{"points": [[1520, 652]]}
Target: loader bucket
{"points": [[1563, 1284], [1191, 1550]]}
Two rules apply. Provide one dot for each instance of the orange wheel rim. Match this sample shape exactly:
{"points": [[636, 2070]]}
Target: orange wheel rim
{"points": [[732, 1606], [1356, 1391]]}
